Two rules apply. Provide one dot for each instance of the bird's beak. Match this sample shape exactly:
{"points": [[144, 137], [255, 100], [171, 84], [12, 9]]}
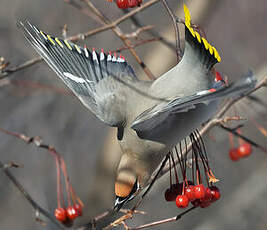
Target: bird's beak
{"points": [[119, 202]]}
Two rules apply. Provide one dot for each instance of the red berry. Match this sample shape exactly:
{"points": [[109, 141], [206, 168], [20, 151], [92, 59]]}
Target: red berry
{"points": [[170, 195], [132, 3], [172, 192], [196, 202], [205, 204], [182, 201], [199, 191], [208, 196], [233, 154], [215, 192], [123, 4], [78, 209], [244, 150], [60, 214], [189, 192], [71, 212]]}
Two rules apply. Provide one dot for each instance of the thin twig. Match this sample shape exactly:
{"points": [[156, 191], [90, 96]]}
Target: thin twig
{"points": [[152, 32], [176, 30], [122, 36], [20, 67], [137, 44], [136, 33], [168, 220], [80, 36], [28, 197], [233, 131]]}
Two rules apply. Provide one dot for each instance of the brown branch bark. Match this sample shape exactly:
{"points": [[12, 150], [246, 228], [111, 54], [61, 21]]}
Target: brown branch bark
{"points": [[80, 36], [168, 220], [176, 30], [27, 196], [122, 36]]}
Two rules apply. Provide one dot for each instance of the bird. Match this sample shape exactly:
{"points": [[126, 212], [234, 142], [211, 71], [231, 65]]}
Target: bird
{"points": [[151, 117]]}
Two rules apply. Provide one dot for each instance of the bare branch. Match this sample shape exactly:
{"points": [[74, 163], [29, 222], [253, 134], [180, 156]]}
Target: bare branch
{"points": [[136, 33], [172, 219], [20, 67], [233, 131], [137, 44], [122, 36], [80, 36], [176, 30], [152, 33], [27, 196]]}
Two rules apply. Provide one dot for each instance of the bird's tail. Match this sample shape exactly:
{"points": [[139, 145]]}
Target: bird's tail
{"points": [[197, 46]]}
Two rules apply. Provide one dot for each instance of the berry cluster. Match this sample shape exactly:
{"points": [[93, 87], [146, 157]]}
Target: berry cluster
{"points": [[69, 213], [124, 4], [243, 150], [192, 190], [74, 209], [198, 195]]}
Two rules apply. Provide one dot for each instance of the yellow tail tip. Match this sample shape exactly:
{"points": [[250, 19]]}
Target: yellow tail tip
{"points": [[212, 50], [187, 16]]}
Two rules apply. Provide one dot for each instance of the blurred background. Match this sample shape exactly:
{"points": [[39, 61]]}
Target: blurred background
{"points": [[236, 28]]}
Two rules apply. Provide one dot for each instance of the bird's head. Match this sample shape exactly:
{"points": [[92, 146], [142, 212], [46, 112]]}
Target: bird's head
{"points": [[132, 174], [127, 186]]}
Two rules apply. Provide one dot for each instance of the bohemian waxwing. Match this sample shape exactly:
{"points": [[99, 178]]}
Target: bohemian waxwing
{"points": [[151, 116]]}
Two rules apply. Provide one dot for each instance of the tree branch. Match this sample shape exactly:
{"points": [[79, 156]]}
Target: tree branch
{"points": [[80, 36], [122, 36], [27, 196]]}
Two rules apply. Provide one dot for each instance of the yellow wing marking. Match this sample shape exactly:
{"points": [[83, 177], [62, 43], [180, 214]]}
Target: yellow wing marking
{"points": [[212, 50], [59, 42], [187, 16], [78, 49], [50, 39], [67, 44], [43, 35]]}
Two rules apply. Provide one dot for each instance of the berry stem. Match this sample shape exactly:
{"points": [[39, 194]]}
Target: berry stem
{"points": [[231, 140], [175, 171], [67, 180], [259, 127], [170, 170], [178, 156], [59, 190], [240, 140]]}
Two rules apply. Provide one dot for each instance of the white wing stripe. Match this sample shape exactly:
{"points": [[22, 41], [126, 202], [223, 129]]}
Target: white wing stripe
{"points": [[76, 79]]}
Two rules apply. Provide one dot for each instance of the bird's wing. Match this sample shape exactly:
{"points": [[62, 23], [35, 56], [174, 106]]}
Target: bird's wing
{"points": [[96, 79], [155, 116]]}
